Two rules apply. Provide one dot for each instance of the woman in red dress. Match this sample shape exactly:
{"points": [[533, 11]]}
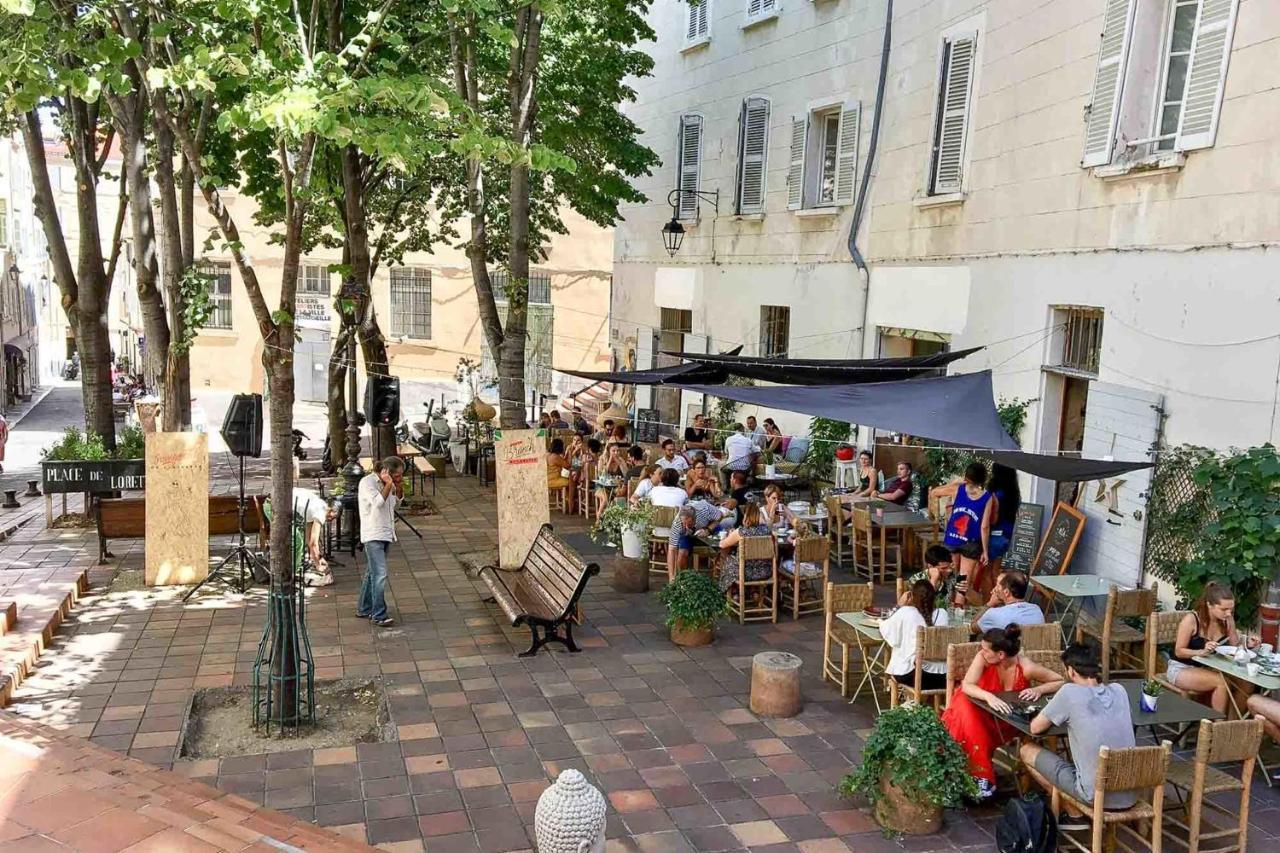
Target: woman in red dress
{"points": [[997, 668]]}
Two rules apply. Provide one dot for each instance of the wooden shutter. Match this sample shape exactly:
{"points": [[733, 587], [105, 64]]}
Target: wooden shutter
{"points": [[953, 114], [752, 153], [697, 20], [795, 174], [1108, 82], [690, 151], [754, 7], [1206, 74], [847, 152]]}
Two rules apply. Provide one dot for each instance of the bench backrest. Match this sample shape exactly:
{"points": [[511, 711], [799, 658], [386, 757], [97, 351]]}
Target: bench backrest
{"points": [[126, 518], [558, 571]]}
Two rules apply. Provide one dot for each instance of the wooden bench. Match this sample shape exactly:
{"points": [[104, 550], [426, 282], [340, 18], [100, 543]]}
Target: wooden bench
{"points": [[126, 518], [543, 592]]}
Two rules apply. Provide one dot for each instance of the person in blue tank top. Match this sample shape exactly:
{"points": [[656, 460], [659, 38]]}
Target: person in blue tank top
{"points": [[968, 532]]}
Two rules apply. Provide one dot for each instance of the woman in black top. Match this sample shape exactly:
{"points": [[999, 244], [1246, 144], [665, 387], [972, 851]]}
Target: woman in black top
{"points": [[1212, 624]]}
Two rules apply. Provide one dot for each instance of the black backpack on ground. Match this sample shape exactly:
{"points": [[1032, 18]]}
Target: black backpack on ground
{"points": [[1027, 826]]}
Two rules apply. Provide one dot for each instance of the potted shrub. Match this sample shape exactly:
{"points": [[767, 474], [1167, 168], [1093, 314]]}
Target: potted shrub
{"points": [[694, 603], [767, 456], [627, 525], [911, 770], [1151, 690]]}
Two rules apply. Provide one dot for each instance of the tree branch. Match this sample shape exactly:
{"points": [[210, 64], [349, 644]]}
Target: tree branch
{"points": [[117, 233]]}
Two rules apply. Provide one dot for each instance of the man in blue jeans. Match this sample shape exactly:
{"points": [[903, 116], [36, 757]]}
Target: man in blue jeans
{"points": [[379, 492]]}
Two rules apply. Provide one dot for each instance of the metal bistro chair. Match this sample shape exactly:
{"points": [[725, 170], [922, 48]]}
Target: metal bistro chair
{"points": [[659, 540], [1223, 742], [839, 531], [1118, 638], [1140, 768], [843, 598], [754, 548], [804, 580], [865, 539], [932, 646]]}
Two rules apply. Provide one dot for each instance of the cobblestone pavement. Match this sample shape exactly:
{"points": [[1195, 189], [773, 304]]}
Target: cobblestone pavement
{"points": [[664, 731]]}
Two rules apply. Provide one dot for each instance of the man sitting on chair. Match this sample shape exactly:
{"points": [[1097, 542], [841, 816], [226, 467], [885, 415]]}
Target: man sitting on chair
{"points": [[1096, 715]]}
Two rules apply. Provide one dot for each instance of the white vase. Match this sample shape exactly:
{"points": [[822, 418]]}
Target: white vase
{"points": [[1148, 703], [770, 470], [458, 453], [632, 543]]}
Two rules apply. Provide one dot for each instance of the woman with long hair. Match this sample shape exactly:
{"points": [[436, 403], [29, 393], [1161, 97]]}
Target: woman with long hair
{"points": [[1008, 497], [998, 668], [1200, 632], [753, 524], [868, 476], [557, 465], [899, 632], [968, 531], [775, 511]]}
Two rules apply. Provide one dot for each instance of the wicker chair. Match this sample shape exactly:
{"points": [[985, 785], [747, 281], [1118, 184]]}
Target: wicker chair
{"points": [[939, 512], [959, 658], [932, 646], [804, 582], [865, 539], [754, 548], [1047, 658], [559, 498], [1162, 630], [1046, 637], [1119, 639], [586, 491], [843, 598], [839, 531], [659, 540], [1225, 742], [1139, 768]]}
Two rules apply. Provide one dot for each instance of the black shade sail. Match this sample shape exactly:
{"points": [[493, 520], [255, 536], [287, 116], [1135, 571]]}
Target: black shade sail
{"points": [[1065, 469], [657, 376], [957, 410], [824, 371]]}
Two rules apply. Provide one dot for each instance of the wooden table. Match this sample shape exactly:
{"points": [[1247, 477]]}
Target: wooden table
{"points": [[1171, 710], [1227, 670], [1075, 589], [871, 646]]}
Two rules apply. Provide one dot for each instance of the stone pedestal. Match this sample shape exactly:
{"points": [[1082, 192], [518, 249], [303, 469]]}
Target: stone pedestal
{"points": [[630, 575], [775, 684]]}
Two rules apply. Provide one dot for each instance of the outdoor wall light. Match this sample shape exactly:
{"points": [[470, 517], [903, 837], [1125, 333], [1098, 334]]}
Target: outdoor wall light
{"points": [[673, 231]]}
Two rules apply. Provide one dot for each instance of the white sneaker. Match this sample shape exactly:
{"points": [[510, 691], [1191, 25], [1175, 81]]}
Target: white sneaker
{"points": [[325, 579], [986, 790]]}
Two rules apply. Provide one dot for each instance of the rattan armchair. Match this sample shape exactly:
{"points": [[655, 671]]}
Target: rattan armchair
{"points": [[839, 532], [664, 517], [754, 548], [1046, 637], [843, 598], [866, 541], [1224, 742], [1162, 630], [1140, 768], [1119, 639], [803, 583], [933, 645]]}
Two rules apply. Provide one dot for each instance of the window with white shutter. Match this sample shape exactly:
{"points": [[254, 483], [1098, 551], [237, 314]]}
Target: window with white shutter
{"points": [[689, 169], [758, 9], [1158, 89], [847, 153], [699, 22], [951, 127], [795, 172], [1207, 74], [1104, 109], [753, 150]]}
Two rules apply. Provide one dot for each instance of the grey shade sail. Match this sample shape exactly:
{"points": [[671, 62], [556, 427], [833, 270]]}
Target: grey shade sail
{"points": [[825, 371], [958, 410]]}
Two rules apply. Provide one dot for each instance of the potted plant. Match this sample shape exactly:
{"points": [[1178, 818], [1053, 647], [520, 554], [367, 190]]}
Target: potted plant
{"points": [[694, 603], [627, 525], [768, 457], [911, 770], [1151, 690]]}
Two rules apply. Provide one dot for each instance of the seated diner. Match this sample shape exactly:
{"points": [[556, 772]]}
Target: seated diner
{"points": [[903, 490], [671, 459], [899, 632], [938, 571], [1008, 605], [1200, 632], [752, 524]]}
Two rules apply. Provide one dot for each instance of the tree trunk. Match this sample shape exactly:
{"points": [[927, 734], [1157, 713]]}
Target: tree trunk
{"points": [[177, 385], [337, 400], [146, 266], [279, 368]]}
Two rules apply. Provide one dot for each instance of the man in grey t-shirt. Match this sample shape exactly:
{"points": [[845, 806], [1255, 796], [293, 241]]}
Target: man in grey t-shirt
{"points": [[1008, 605], [1096, 715]]}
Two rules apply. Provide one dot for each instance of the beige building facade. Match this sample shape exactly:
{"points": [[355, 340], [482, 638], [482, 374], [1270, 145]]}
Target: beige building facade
{"points": [[1089, 190]]}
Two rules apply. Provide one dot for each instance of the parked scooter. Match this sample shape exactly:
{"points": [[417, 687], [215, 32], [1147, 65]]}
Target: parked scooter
{"points": [[71, 370]]}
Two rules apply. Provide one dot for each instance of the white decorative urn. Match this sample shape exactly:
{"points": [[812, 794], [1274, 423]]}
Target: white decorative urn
{"points": [[570, 816]]}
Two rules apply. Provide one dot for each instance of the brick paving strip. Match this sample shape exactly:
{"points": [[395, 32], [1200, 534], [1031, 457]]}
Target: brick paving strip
{"points": [[59, 792]]}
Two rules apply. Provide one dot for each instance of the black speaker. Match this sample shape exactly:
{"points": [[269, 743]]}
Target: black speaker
{"points": [[382, 400], [242, 427]]}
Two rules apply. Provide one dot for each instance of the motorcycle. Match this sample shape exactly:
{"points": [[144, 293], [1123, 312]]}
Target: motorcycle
{"points": [[298, 451]]}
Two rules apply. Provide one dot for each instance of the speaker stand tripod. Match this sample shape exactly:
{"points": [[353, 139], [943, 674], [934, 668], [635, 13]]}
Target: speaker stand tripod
{"points": [[239, 577]]}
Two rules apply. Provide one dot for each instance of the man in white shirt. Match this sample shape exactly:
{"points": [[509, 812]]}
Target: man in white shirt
{"points": [[755, 432], [1008, 605], [670, 459], [669, 493], [315, 514], [377, 497], [739, 451]]}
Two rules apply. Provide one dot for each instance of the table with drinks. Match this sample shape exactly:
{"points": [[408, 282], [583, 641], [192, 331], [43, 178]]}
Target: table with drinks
{"points": [[1260, 669]]}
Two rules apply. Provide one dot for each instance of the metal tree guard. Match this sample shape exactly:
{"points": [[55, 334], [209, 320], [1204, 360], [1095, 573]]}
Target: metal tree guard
{"points": [[283, 681]]}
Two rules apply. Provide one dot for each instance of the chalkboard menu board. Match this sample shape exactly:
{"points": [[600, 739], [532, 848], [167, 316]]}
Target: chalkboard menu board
{"points": [[1026, 537], [646, 430], [1060, 541]]}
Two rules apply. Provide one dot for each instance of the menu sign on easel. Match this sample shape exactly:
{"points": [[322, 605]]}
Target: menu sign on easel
{"points": [[1025, 540], [1060, 541]]}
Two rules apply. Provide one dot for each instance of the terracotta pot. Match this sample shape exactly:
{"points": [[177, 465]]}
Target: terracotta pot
{"points": [[682, 636], [897, 813]]}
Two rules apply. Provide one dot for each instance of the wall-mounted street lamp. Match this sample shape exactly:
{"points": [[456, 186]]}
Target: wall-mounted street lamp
{"points": [[673, 231]]}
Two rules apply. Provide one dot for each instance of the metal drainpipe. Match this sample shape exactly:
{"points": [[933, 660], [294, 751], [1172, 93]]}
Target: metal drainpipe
{"points": [[861, 205]]}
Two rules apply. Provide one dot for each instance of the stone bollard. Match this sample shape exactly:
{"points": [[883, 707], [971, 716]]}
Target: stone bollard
{"points": [[630, 575], [570, 816], [775, 684]]}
